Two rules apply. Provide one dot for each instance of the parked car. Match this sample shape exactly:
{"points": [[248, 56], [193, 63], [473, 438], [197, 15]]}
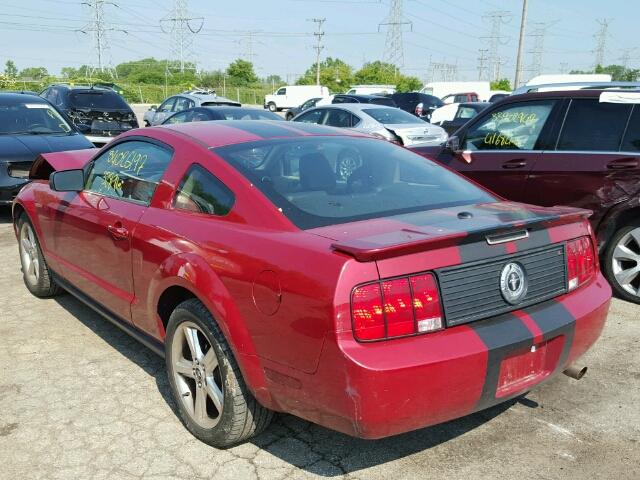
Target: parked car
{"points": [[183, 101], [460, 97], [496, 97], [578, 148], [442, 89], [465, 112], [377, 99], [203, 114], [420, 104], [445, 113], [98, 112], [291, 96], [269, 284], [389, 123], [29, 126], [292, 112]]}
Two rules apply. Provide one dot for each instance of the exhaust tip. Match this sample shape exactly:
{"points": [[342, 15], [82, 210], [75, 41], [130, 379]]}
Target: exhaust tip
{"points": [[575, 372]]}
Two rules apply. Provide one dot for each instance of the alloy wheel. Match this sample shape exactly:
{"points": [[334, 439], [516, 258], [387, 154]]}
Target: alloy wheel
{"points": [[626, 262], [29, 254], [197, 375]]}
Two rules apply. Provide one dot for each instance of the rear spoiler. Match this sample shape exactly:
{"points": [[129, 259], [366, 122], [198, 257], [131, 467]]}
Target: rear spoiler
{"points": [[407, 241], [47, 163]]}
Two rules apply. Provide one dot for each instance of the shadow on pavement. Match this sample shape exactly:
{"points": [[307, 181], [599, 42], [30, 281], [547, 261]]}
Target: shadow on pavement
{"points": [[5, 215], [300, 443]]}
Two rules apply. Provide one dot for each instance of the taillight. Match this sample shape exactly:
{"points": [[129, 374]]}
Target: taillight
{"points": [[581, 262], [396, 308], [419, 109]]}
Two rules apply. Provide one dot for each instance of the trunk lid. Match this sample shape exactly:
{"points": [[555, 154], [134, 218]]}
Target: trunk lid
{"points": [[417, 134]]}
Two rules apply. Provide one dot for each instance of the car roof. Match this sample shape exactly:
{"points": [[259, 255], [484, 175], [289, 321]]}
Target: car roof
{"points": [[474, 104], [363, 96], [354, 107], [230, 132], [14, 98], [578, 93]]}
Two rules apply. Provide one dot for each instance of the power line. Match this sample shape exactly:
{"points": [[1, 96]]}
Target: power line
{"points": [[319, 33], [498, 18], [601, 41], [182, 26], [394, 52]]}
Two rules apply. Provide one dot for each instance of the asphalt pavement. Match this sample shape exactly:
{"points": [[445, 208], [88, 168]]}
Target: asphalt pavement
{"points": [[81, 400]]}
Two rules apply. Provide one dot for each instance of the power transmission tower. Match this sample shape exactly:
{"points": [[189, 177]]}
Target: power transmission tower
{"points": [[394, 52], [626, 57], [318, 47], [442, 71], [538, 35], [182, 27], [601, 41], [249, 41], [564, 66], [495, 39], [482, 64], [99, 28]]}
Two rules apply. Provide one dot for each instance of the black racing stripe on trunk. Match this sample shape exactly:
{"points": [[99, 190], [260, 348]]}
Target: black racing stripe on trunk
{"points": [[554, 319], [501, 335], [264, 129], [481, 250], [537, 238]]}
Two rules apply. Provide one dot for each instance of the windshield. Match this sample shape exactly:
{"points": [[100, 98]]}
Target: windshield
{"points": [[390, 116], [322, 181], [31, 118], [97, 100]]}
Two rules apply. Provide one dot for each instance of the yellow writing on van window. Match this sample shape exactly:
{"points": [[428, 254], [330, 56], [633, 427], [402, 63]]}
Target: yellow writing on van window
{"points": [[499, 140], [128, 160], [520, 117], [111, 180]]}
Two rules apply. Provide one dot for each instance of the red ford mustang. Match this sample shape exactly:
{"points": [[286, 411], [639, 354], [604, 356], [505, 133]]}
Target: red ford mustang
{"points": [[302, 269]]}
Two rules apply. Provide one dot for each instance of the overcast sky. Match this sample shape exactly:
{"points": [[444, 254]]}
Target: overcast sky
{"points": [[46, 32]]}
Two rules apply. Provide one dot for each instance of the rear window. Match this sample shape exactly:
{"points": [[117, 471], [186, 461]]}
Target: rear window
{"points": [[384, 101], [321, 181], [97, 100], [390, 116]]}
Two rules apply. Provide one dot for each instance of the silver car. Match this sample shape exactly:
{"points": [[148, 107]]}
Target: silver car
{"points": [[182, 101], [389, 123]]}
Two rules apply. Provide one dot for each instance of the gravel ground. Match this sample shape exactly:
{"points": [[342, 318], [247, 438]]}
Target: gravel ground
{"points": [[81, 400]]}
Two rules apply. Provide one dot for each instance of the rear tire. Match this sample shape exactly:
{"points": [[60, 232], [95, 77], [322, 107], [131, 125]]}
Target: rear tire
{"points": [[622, 262], [213, 401], [35, 272]]}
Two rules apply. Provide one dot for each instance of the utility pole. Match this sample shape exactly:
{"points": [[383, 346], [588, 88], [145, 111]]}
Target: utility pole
{"points": [[319, 33], [601, 41], [497, 18], [523, 23], [182, 27], [99, 28], [394, 52], [482, 64]]}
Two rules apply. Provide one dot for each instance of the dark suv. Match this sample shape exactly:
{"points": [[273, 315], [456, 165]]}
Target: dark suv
{"points": [[377, 99], [577, 148], [98, 112]]}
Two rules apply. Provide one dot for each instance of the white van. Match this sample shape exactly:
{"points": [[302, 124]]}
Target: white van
{"points": [[291, 96]]}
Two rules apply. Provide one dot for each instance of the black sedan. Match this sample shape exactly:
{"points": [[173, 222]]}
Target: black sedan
{"points": [[292, 112], [204, 114], [29, 126], [466, 111], [419, 104]]}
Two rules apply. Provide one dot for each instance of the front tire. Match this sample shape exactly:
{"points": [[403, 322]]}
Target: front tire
{"points": [[214, 403], [622, 262], [35, 272], [272, 107]]}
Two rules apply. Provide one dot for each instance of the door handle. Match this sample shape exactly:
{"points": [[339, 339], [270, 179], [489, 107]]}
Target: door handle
{"points": [[515, 163], [118, 232], [623, 163]]}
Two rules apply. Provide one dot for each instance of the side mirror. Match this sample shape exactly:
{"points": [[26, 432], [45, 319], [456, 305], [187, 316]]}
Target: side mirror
{"points": [[453, 144], [67, 180], [153, 108]]}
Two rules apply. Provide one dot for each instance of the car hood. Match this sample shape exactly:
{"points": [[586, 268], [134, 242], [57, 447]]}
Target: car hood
{"points": [[25, 148], [387, 237], [421, 133]]}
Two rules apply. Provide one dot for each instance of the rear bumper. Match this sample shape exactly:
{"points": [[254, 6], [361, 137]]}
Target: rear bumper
{"points": [[381, 389]]}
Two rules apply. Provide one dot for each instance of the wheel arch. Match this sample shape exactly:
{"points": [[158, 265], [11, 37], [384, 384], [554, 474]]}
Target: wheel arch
{"points": [[615, 219], [187, 275]]}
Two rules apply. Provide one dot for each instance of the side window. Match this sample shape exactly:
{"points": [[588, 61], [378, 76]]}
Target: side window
{"points": [[339, 100], [591, 125], [314, 116], [181, 104], [512, 127], [181, 117], [338, 118], [130, 171], [167, 106], [199, 191], [465, 112], [282, 91], [631, 142]]}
